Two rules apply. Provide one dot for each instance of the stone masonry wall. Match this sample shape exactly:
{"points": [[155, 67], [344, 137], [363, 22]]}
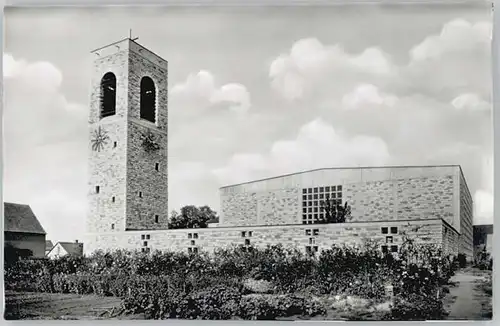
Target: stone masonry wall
{"points": [[398, 199], [147, 188], [321, 235], [107, 166], [466, 223], [451, 240]]}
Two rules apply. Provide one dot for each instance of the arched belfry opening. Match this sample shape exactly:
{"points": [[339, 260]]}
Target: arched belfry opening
{"points": [[108, 95], [148, 99]]}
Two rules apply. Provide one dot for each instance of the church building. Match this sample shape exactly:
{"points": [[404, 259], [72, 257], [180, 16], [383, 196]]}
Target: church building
{"points": [[128, 183]]}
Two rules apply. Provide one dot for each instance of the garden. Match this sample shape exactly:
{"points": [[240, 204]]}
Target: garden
{"points": [[347, 283]]}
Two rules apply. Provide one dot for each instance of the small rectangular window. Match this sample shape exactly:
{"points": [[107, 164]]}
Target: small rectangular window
{"points": [[97, 189], [308, 249], [327, 189], [140, 194], [315, 248], [385, 249], [384, 230], [321, 189], [304, 222], [394, 230], [339, 188], [394, 248], [310, 197], [304, 204], [143, 237], [308, 232], [304, 197], [195, 235], [315, 190], [315, 196], [145, 243], [247, 242], [190, 235], [389, 239], [311, 240], [309, 190], [112, 226], [243, 234], [310, 210], [192, 242], [315, 231], [304, 191], [321, 196], [114, 144], [339, 195], [190, 250], [147, 250], [157, 166], [249, 233], [157, 218], [304, 210], [113, 199], [148, 236], [315, 209], [195, 250], [143, 250], [334, 195]]}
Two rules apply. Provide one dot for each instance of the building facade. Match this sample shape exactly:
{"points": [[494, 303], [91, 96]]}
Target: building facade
{"points": [[128, 194], [22, 230]]}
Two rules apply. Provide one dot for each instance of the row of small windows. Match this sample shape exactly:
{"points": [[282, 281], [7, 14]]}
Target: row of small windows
{"points": [[147, 97], [393, 229], [321, 189], [145, 247], [332, 195]]}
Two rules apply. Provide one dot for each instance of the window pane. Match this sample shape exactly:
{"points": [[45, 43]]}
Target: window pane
{"points": [[384, 230]]}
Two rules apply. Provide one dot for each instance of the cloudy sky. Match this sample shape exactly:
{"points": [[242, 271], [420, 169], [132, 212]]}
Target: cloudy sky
{"points": [[254, 92]]}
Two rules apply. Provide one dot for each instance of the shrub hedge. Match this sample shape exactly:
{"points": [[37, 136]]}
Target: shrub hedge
{"points": [[212, 286]]}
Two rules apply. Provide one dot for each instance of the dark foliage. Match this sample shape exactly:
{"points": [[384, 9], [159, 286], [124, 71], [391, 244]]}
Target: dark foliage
{"points": [[192, 217]]}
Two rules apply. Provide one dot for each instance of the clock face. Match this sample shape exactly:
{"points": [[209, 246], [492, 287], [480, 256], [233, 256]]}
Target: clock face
{"points": [[99, 139]]}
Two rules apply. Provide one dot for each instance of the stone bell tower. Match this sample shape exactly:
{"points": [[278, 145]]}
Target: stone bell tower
{"points": [[128, 164]]}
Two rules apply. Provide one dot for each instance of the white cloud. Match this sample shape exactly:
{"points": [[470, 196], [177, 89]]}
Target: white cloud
{"points": [[309, 62], [317, 145], [45, 151], [202, 89], [456, 36], [470, 101], [367, 95]]}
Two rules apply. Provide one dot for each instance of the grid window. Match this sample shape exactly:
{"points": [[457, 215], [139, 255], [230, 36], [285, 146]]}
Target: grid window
{"points": [[310, 210], [394, 248], [384, 230], [327, 189], [304, 204], [148, 236], [310, 203], [321, 189], [315, 209], [304, 210], [321, 196], [315, 196], [310, 190], [304, 197], [304, 191], [339, 188], [315, 190], [316, 203], [394, 230], [310, 197]]}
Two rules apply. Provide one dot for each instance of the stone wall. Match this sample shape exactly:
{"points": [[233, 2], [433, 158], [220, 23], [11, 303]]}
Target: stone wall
{"points": [[107, 167], [466, 223], [397, 199], [451, 240], [299, 236]]}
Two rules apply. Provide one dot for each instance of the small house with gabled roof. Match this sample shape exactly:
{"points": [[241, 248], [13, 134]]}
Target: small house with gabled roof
{"points": [[66, 248], [22, 230]]}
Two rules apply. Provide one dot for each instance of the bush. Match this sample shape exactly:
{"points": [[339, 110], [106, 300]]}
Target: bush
{"points": [[270, 307], [417, 307]]}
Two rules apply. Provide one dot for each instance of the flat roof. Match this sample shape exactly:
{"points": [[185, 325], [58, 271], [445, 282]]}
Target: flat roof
{"points": [[346, 168]]}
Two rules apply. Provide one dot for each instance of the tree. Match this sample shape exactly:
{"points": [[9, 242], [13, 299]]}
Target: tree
{"points": [[334, 212], [191, 217]]}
